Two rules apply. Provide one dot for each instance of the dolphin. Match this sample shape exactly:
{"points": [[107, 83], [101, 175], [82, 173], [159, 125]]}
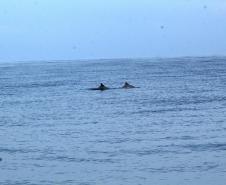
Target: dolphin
{"points": [[128, 86], [102, 87]]}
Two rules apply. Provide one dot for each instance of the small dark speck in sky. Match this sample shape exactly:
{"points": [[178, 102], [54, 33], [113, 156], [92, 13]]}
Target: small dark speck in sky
{"points": [[205, 7], [5, 12], [162, 27], [74, 47], [35, 3]]}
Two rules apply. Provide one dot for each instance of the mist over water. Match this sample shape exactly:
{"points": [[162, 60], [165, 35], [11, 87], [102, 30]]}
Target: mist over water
{"points": [[170, 131]]}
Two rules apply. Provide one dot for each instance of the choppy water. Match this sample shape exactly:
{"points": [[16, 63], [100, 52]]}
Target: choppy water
{"points": [[171, 131]]}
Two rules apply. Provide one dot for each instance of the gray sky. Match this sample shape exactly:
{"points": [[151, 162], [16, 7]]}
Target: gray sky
{"points": [[80, 29]]}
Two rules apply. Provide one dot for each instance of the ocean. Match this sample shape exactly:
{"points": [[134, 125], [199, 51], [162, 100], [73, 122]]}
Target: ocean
{"points": [[170, 131]]}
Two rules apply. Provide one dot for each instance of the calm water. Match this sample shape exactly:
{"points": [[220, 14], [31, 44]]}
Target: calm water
{"points": [[171, 131]]}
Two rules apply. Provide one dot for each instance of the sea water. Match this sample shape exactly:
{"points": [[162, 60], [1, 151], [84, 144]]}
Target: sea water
{"points": [[170, 131]]}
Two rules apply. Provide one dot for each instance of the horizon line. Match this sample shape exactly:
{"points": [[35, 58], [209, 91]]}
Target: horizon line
{"points": [[113, 58]]}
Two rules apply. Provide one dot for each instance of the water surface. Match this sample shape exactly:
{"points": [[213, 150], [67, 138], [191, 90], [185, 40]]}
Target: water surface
{"points": [[171, 131]]}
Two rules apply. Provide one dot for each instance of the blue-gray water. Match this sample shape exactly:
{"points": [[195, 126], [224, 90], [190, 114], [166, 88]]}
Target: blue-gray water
{"points": [[171, 131]]}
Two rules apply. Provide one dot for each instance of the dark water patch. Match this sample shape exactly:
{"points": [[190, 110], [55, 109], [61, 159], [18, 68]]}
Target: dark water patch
{"points": [[173, 138], [40, 85], [15, 182], [155, 151], [157, 111], [187, 100], [16, 151], [109, 154], [206, 147], [75, 159], [114, 140], [204, 167]]}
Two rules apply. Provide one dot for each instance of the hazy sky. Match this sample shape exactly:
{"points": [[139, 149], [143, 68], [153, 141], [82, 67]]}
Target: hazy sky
{"points": [[75, 29]]}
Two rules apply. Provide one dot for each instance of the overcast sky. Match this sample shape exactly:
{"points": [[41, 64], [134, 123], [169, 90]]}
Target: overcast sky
{"points": [[80, 29]]}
